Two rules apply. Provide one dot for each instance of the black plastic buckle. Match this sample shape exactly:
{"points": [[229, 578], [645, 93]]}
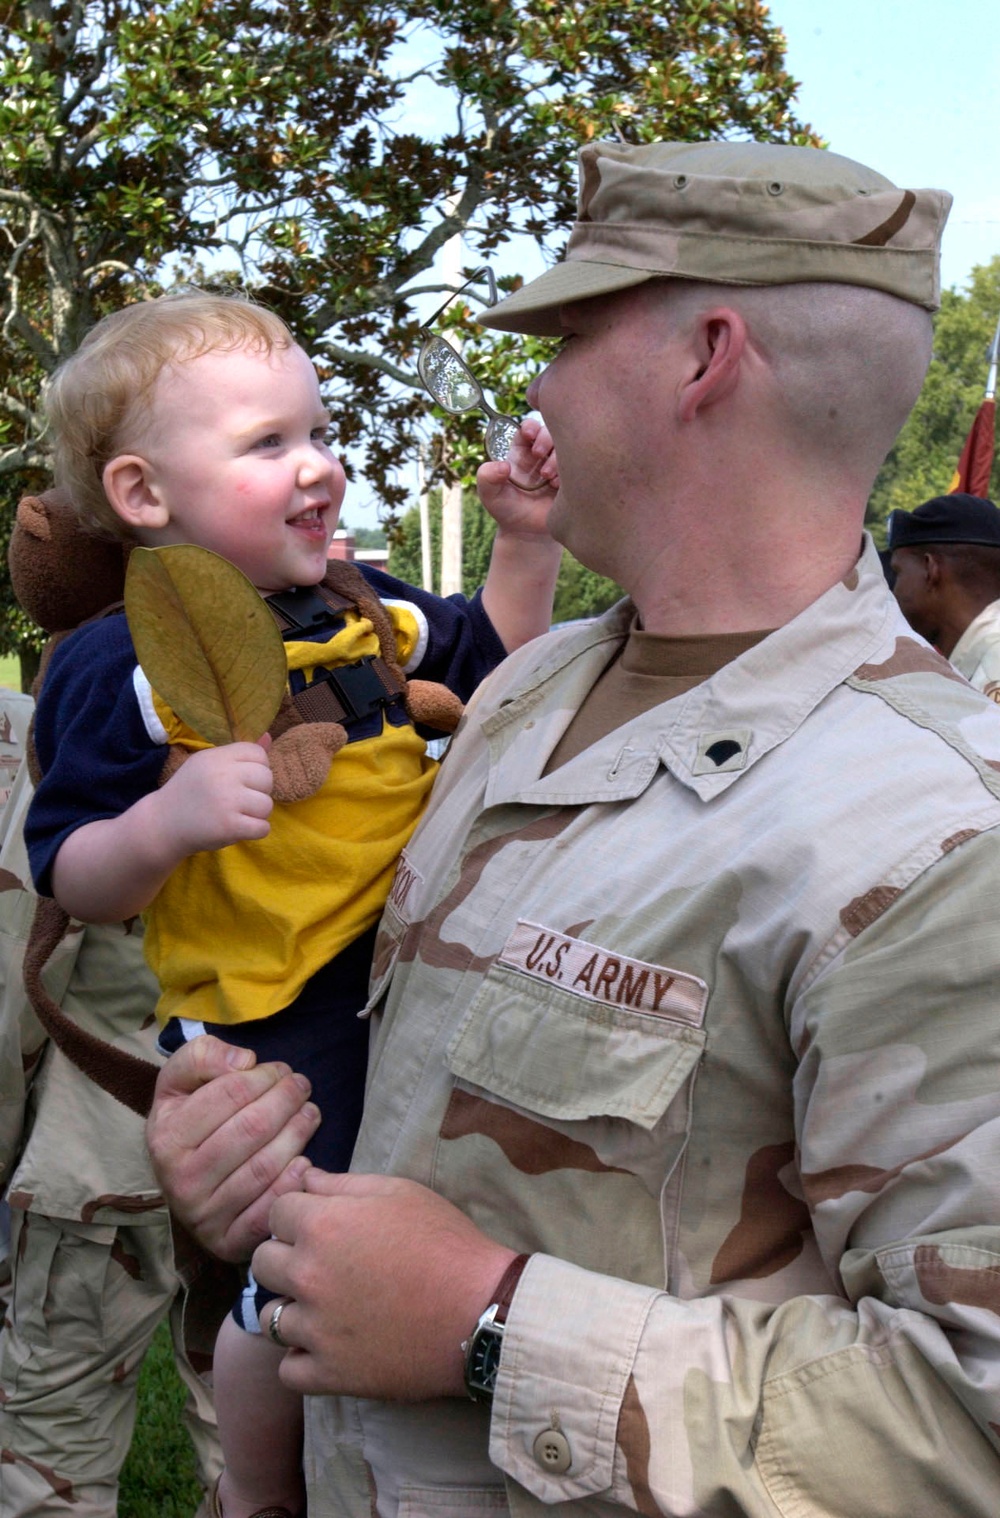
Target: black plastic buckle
{"points": [[303, 607], [358, 686]]}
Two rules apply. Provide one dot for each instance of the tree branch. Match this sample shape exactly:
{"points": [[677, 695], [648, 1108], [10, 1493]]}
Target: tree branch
{"points": [[108, 266], [369, 361], [19, 412], [18, 198], [13, 460], [385, 291]]}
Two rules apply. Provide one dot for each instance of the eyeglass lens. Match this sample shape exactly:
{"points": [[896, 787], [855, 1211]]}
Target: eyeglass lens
{"points": [[447, 377], [500, 435], [454, 386]]}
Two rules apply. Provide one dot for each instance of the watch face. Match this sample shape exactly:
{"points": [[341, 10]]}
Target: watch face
{"points": [[484, 1360]]}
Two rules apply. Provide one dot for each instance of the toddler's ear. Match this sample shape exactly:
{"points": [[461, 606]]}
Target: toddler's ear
{"points": [[129, 487]]}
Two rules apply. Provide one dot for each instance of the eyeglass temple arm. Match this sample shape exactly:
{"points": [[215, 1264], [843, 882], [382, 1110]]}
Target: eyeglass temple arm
{"points": [[484, 273]]}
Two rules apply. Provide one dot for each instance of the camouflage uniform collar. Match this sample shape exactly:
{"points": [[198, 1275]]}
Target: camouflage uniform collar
{"points": [[706, 738], [763, 697], [982, 633]]}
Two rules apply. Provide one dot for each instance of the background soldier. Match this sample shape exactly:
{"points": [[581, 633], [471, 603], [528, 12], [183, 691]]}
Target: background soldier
{"points": [[92, 1258], [945, 559]]}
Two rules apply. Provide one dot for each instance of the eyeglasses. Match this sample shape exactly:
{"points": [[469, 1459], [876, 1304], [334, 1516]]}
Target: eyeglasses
{"points": [[448, 379]]}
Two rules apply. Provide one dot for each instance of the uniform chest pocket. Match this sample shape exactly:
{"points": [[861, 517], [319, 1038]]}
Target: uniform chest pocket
{"points": [[571, 1058], [566, 1124]]}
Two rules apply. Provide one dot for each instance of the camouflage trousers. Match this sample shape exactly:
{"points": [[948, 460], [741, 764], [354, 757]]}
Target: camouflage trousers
{"points": [[86, 1301]]}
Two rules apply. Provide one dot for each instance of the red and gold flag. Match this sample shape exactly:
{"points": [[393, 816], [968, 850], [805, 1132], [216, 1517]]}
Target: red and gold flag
{"points": [[976, 464], [974, 467]]}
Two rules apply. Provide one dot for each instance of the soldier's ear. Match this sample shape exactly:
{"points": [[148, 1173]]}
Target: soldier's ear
{"points": [[130, 486], [717, 347]]}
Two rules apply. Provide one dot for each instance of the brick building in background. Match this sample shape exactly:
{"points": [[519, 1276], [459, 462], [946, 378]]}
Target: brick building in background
{"points": [[344, 547]]}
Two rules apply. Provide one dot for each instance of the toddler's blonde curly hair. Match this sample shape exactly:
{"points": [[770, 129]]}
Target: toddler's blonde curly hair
{"points": [[98, 402]]}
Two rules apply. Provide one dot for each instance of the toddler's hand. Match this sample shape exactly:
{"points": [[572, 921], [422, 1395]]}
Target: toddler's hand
{"points": [[518, 491], [221, 796]]}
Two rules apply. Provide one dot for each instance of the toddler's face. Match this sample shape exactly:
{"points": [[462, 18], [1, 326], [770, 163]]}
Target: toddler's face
{"points": [[239, 461]]}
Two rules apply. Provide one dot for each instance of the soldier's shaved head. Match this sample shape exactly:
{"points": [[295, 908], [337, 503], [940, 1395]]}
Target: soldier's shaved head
{"points": [[848, 362]]}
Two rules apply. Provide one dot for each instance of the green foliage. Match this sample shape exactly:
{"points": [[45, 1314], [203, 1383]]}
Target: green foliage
{"points": [[579, 592], [478, 531], [159, 1478], [927, 451], [10, 671], [367, 537], [323, 156]]}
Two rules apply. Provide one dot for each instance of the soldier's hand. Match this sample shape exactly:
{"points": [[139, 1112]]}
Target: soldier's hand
{"points": [[226, 1135], [385, 1279]]}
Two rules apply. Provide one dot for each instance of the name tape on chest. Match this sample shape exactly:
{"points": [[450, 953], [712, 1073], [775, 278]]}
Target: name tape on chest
{"points": [[406, 880], [595, 973]]}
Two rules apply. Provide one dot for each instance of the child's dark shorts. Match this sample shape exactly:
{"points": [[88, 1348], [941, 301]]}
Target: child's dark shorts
{"points": [[322, 1037]]}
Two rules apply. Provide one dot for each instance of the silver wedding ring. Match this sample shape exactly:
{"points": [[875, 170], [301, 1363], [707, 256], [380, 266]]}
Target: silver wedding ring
{"points": [[273, 1327]]}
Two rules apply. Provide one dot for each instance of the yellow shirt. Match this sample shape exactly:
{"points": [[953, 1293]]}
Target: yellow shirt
{"points": [[235, 933]]}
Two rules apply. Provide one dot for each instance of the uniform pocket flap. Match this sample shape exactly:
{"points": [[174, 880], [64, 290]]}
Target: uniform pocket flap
{"points": [[568, 1056]]}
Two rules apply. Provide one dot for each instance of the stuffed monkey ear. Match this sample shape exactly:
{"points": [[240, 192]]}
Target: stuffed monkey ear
{"points": [[130, 487], [60, 573]]}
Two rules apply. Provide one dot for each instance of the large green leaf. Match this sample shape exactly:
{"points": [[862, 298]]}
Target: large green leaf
{"points": [[206, 641]]}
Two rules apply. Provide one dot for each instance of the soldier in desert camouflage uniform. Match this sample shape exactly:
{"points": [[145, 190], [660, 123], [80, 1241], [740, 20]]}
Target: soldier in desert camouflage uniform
{"points": [[945, 562], [93, 1267], [688, 1047]]}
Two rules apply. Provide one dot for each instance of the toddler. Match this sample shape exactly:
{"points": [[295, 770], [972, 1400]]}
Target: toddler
{"points": [[196, 418]]}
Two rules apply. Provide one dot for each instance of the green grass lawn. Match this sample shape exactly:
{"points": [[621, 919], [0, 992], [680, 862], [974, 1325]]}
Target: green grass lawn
{"points": [[10, 671], [158, 1478]]}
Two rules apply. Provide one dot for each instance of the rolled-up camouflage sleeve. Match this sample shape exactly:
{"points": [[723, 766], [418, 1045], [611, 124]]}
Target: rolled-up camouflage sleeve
{"points": [[879, 1398]]}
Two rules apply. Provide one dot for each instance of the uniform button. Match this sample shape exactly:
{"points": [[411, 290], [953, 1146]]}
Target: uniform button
{"points": [[552, 1452]]}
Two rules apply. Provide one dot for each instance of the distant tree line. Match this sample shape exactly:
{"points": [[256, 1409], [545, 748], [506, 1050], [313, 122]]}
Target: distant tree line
{"points": [[579, 592], [927, 451]]}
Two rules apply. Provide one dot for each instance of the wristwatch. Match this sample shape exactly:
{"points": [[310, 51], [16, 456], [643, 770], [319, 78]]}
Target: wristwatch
{"points": [[482, 1348]]}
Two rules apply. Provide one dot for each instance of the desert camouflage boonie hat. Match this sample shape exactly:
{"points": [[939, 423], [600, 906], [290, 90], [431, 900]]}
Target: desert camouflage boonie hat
{"points": [[735, 213]]}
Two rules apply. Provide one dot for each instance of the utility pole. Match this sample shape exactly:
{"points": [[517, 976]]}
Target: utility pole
{"points": [[994, 356], [424, 497], [451, 495]]}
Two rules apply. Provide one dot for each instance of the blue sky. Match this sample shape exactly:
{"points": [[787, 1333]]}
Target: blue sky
{"points": [[911, 88]]}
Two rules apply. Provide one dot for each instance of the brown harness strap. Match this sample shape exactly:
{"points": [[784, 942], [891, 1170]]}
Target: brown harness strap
{"points": [[348, 690], [352, 690]]}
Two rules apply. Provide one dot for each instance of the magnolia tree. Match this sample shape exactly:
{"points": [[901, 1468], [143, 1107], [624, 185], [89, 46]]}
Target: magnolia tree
{"points": [[322, 155]]}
